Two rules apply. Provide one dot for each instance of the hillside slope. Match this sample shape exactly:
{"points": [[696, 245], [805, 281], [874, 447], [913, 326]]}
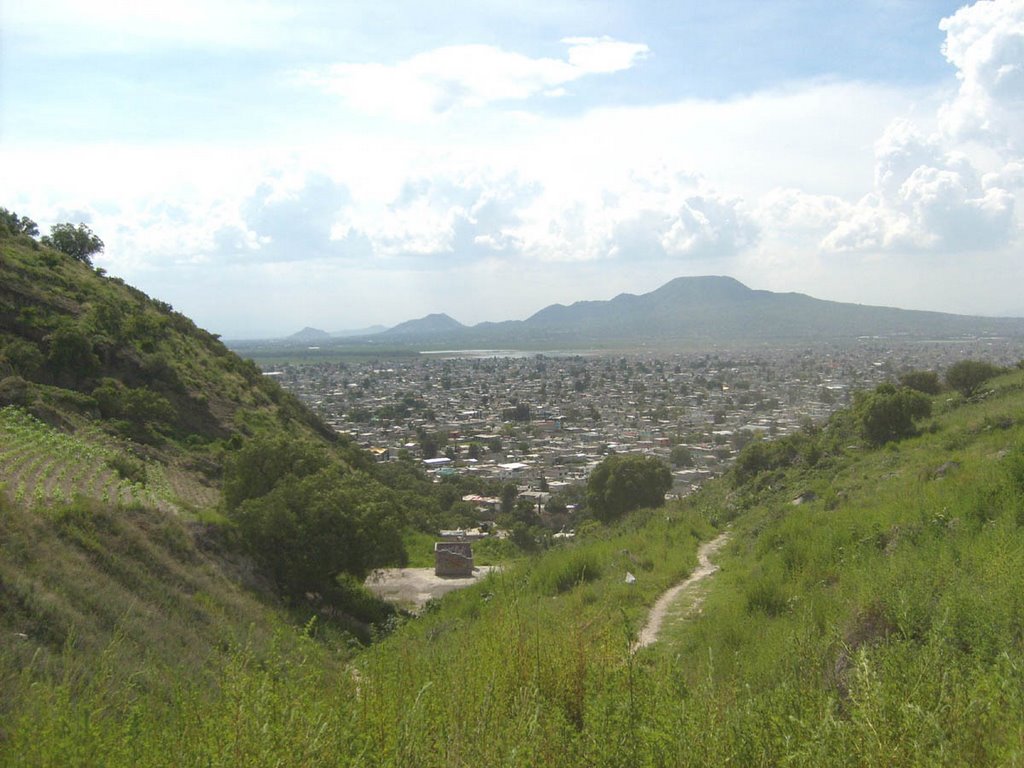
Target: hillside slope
{"points": [[118, 417], [77, 345], [869, 611]]}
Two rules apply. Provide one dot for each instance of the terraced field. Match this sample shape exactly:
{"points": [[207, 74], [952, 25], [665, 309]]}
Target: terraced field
{"points": [[40, 465]]}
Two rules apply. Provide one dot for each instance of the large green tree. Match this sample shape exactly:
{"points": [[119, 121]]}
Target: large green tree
{"points": [[309, 530], [79, 242], [306, 517], [922, 381], [621, 484], [262, 462]]}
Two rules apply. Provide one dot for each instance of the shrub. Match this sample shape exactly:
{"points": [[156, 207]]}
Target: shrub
{"points": [[307, 530], [888, 413], [128, 468], [14, 390], [967, 376], [922, 381]]}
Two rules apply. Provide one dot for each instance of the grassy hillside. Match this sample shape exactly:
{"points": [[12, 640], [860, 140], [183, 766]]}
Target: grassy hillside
{"points": [[879, 621], [76, 345], [118, 420]]}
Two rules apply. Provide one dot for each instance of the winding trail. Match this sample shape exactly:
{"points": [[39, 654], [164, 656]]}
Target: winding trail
{"points": [[704, 569]]}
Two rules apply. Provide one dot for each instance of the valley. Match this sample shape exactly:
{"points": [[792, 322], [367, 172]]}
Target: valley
{"points": [[183, 543]]}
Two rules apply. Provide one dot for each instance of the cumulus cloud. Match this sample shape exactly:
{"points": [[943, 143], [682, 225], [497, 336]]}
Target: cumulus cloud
{"points": [[293, 219], [458, 215], [799, 213], [924, 198], [708, 226], [648, 214], [451, 77], [1010, 176], [985, 42], [944, 192], [280, 217]]}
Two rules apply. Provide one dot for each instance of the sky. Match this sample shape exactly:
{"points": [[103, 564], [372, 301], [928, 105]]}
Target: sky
{"points": [[269, 165]]}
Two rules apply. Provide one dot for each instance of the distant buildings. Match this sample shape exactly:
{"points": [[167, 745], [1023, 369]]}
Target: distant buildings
{"points": [[546, 421]]}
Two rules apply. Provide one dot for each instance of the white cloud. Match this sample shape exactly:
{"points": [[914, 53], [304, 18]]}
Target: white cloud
{"points": [[708, 226], [459, 213], [452, 77], [985, 42], [648, 213], [592, 55], [1010, 176], [797, 213], [925, 198], [952, 190]]}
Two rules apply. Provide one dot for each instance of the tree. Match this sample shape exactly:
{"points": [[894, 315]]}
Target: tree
{"points": [[78, 242], [509, 494], [71, 358], [23, 357], [306, 517], [429, 445], [18, 225], [967, 376], [888, 413], [682, 456], [621, 484], [263, 462], [309, 530]]}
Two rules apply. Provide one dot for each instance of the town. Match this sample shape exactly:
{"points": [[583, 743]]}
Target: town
{"points": [[543, 421]]}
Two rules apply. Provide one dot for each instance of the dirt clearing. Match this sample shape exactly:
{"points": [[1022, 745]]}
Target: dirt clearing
{"points": [[412, 587]]}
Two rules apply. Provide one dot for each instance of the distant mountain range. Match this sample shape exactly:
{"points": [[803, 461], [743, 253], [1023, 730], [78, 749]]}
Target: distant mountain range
{"points": [[314, 335], [688, 311], [439, 325]]}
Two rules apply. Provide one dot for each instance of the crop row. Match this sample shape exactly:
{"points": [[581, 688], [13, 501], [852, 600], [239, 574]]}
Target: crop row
{"points": [[39, 465]]}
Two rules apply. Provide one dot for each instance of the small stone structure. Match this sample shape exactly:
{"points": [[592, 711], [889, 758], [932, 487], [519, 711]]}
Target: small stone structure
{"points": [[453, 558]]}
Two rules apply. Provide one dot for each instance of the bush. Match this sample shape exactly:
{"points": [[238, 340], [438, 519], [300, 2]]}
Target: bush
{"points": [[71, 356], [128, 468], [967, 376], [349, 595], [888, 413], [264, 461], [24, 358], [763, 455], [14, 390], [922, 381]]}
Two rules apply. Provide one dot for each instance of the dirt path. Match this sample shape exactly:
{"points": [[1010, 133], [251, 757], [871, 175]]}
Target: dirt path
{"points": [[704, 569]]}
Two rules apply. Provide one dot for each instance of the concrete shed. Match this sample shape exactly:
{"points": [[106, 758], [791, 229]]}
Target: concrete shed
{"points": [[453, 558]]}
